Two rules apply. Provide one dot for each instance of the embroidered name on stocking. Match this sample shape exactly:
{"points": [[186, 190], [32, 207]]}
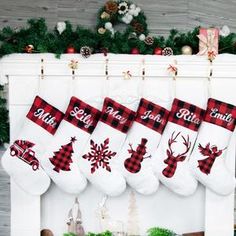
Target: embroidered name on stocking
{"points": [[45, 115], [151, 115], [117, 116], [186, 114], [82, 115], [221, 114]]}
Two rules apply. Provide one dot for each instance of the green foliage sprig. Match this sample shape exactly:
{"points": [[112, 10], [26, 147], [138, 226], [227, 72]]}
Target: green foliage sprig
{"points": [[106, 233], [4, 124], [69, 234], [156, 231]]}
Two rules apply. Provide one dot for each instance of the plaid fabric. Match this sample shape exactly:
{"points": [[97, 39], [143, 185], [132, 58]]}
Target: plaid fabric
{"points": [[62, 158], [221, 114], [45, 115], [133, 164], [82, 115], [186, 114], [151, 115], [116, 115], [171, 162], [206, 164], [212, 152]]}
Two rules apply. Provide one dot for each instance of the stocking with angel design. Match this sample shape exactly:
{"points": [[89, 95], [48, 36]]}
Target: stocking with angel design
{"points": [[207, 160]]}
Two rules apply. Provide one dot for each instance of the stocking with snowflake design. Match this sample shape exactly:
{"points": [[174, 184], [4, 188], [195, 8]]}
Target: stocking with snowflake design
{"points": [[207, 159], [142, 140], [170, 158], [21, 159], [98, 160], [60, 160]]}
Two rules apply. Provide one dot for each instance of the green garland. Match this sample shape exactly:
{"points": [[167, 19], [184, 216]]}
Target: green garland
{"points": [[44, 40]]}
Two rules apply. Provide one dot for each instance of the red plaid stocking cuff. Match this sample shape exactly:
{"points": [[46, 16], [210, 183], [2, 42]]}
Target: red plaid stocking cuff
{"points": [[116, 115], [45, 115], [221, 114], [152, 116], [186, 114], [82, 115]]}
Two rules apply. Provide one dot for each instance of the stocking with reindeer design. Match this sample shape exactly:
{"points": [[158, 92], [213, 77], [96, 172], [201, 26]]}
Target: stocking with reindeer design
{"points": [[207, 160], [170, 158]]}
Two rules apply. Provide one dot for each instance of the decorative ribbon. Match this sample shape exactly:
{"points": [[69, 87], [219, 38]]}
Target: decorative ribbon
{"points": [[172, 69], [211, 55], [73, 64], [127, 75]]}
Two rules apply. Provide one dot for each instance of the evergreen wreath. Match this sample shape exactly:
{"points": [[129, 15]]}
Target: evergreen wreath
{"points": [[115, 12]]}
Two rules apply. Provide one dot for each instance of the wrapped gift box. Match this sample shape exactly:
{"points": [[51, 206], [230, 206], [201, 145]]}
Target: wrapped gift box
{"points": [[208, 41]]}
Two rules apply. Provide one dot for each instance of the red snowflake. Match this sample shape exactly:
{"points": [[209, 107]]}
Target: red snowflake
{"points": [[99, 155]]}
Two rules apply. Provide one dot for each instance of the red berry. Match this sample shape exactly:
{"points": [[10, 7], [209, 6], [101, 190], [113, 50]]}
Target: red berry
{"points": [[134, 51], [70, 49], [157, 51]]}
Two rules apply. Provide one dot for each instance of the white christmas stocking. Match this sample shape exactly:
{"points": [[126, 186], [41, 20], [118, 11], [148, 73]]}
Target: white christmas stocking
{"points": [[21, 158], [141, 141], [98, 159], [59, 161], [170, 159], [207, 159]]}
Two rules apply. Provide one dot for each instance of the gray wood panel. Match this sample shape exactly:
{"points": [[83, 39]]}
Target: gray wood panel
{"points": [[162, 15], [4, 202]]}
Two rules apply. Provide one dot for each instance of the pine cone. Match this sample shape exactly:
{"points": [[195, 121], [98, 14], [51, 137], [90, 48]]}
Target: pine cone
{"points": [[137, 26], [111, 7], [149, 40], [167, 51], [85, 51]]}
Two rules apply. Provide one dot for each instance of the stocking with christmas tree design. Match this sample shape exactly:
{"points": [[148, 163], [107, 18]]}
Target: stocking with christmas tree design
{"points": [[98, 162], [61, 158], [207, 161], [21, 160]]}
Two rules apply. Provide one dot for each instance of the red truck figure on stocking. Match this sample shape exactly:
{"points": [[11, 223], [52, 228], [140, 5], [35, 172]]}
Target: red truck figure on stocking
{"points": [[133, 164], [21, 149]]}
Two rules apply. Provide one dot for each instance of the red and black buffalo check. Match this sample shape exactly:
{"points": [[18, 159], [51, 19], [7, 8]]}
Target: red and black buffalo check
{"points": [[62, 158], [78, 109], [133, 163], [186, 114], [152, 116], [221, 114], [116, 115], [45, 115]]}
